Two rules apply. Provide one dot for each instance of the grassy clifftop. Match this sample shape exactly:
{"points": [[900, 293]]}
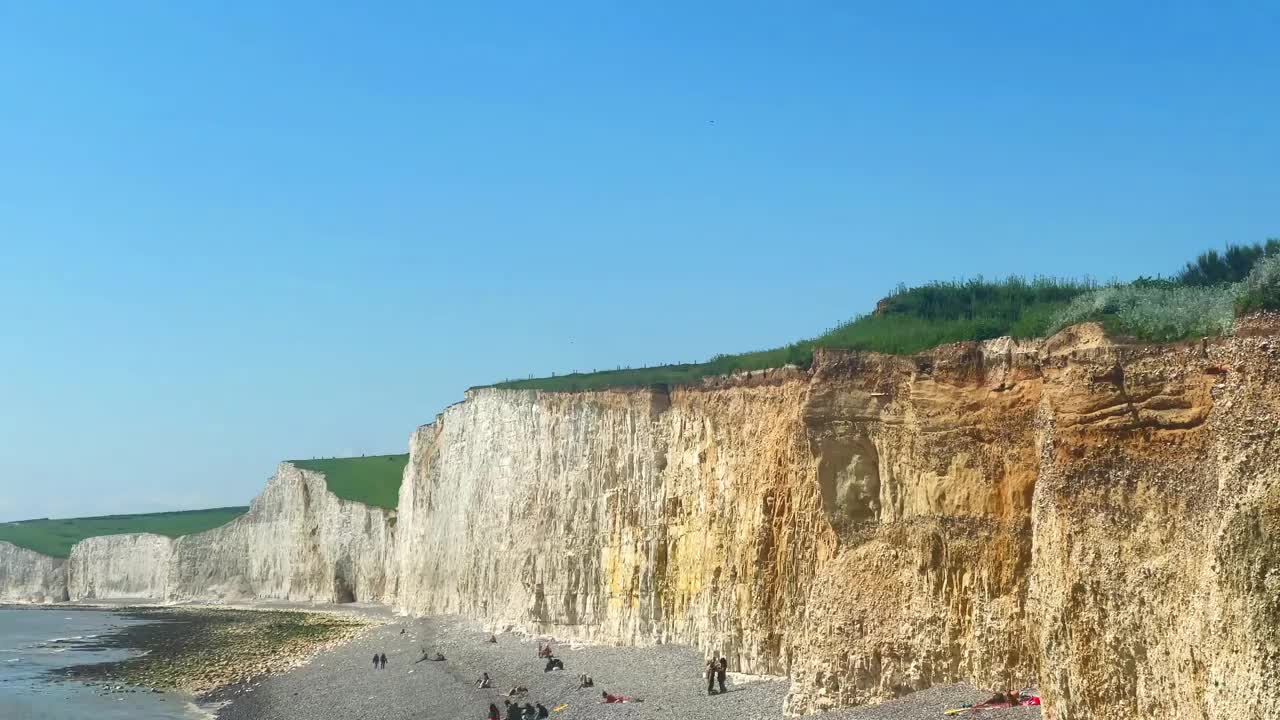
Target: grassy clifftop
{"points": [[55, 537], [372, 480], [1203, 298]]}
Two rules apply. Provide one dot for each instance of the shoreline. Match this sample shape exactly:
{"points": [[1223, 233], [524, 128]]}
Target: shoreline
{"points": [[202, 649], [287, 661]]}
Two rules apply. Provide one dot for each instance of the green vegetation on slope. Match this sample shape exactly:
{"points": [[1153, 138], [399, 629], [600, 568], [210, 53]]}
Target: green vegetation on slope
{"points": [[1202, 299], [55, 537], [373, 480], [908, 321]]}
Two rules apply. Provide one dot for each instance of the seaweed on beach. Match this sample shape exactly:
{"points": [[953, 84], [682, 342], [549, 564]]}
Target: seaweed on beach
{"points": [[202, 649]]}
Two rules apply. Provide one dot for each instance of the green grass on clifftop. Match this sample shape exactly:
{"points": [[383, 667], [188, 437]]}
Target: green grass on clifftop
{"points": [[55, 537], [373, 480], [1202, 299], [908, 321]]}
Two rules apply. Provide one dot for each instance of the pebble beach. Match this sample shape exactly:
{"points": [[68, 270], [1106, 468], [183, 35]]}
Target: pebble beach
{"points": [[340, 683]]}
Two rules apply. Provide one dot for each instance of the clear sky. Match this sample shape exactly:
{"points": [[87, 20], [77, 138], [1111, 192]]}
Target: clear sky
{"points": [[237, 232]]}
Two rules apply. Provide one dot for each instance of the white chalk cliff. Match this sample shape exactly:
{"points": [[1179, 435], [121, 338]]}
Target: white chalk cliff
{"points": [[1100, 519], [29, 577], [298, 541]]}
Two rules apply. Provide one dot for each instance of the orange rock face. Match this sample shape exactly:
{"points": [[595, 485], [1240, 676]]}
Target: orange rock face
{"points": [[1098, 519]]}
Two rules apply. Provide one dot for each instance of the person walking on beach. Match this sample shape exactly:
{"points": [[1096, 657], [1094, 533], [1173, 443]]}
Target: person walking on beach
{"points": [[375, 661], [384, 666], [721, 671], [711, 676], [493, 713]]}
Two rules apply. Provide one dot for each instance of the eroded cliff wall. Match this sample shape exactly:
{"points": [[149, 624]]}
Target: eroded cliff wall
{"points": [[1094, 517], [29, 577], [298, 541]]}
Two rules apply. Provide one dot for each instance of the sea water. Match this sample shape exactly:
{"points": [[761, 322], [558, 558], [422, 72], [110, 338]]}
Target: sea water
{"points": [[35, 644]]}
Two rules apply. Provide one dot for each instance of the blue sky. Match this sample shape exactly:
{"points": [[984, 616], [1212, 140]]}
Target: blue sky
{"points": [[232, 234]]}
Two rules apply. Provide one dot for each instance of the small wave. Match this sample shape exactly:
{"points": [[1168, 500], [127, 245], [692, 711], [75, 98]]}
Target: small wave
{"points": [[66, 639], [205, 711], [14, 660]]}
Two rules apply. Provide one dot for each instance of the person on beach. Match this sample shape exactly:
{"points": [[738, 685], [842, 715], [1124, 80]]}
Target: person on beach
{"points": [[484, 681], [493, 713], [384, 661], [553, 664], [585, 681], [426, 656], [513, 711], [711, 676], [375, 661], [618, 698], [528, 712], [721, 671], [542, 712], [493, 639]]}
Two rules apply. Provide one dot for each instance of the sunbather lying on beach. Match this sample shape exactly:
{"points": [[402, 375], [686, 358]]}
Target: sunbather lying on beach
{"points": [[618, 698]]}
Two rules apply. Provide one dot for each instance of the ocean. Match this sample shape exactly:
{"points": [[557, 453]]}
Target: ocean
{"points": [[35, 643]]}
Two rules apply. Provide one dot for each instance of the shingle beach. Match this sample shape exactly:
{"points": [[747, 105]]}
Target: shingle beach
{"points": [[341, 683]]}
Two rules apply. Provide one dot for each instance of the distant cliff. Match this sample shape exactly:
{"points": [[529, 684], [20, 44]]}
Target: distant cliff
{"points": [[297, 542], [29, 577]]}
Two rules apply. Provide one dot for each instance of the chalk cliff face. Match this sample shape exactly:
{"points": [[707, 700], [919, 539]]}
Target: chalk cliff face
{"points": [[298, 542], [29, 577], [120, 567], [1100, 519], [1156, 579], [1096, 518]]}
